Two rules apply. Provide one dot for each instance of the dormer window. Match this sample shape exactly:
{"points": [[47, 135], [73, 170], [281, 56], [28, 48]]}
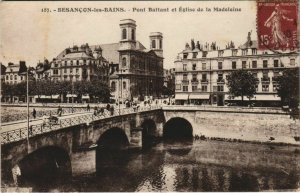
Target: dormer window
{"points": [[153, 44], [254, 51], [195, 54], [204, 54], [185, 55], [234, 52], [244, 52], [220, 53]]}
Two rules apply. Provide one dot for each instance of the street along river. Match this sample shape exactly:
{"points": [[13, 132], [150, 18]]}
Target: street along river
{"points": [[187, 166]]}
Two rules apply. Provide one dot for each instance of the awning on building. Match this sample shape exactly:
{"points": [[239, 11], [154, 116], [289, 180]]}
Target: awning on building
{"points": [[267, 97], [181, 96], [55, 96], [263, 97], [199, 96], [71, 95], [85, 97]]}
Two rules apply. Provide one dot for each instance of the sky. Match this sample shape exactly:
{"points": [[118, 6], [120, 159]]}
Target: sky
{"points": [[29, 34]]}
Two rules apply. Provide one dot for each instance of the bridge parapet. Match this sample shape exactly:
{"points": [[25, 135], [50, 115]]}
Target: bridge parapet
{"points": [[38, 129]]}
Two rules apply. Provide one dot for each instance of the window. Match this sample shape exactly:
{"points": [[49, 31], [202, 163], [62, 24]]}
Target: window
{"points": [[11, 77], [194, 66], [194, 88], [276, 63], [77, 70], [254, 74], [71, 62], [194, 77], [184, 76], [133, 34], [234, 52], [7, 77], [233, 65], [184, 67], [244, 64], [124, 34], [203, 66], [124, 61], [204, 76], [220, 53], [265, 74], [185, 88], [204, 54], [195, 54], [254, 64], [113, 86], [220, 88], [84, 62], [55, 71], [153, 44], [275, 87], [65, 63], [292, 61], [220, 65], [204, 88], [65, 70], [178, 87], [244, 52], [220, 76], [160, 44], [124, 85], [265, 87], [265, 63], [185, 55], [71, 70], [16, 77], [21, 77], [56, 65], [254, 51]]}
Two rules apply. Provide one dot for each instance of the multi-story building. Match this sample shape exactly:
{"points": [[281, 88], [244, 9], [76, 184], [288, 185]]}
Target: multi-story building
{"points": [[14, 73], [139, 73], [79, 63], [201, 72]]}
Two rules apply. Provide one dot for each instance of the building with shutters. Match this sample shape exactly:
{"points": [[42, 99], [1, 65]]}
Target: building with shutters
{"points": [[201, 71]]}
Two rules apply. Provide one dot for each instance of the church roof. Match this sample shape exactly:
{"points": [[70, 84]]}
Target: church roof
{"points": [[76, 55]]}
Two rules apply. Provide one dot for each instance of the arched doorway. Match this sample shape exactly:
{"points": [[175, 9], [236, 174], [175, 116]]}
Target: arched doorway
{"points": [[148, 133], [45, 168], [178, 128], [111, 150]]}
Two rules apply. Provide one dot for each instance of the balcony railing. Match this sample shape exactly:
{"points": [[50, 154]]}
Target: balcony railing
{"points": [[220, 80], [195, 81], [265, 79], [204, 81], [185, 82]]}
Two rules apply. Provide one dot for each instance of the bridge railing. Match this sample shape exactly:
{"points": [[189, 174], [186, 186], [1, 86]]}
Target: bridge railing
{"points": [[37, 129], [39, 113]]}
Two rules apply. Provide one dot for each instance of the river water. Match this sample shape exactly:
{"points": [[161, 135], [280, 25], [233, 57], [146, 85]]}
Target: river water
{"points": [[190, 166]]}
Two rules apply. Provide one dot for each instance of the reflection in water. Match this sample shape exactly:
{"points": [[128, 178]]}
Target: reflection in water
{"points": [[207, 166]]}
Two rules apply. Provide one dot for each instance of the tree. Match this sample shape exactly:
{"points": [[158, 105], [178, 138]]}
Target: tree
{"points": [[241, 83], [288, 90]]}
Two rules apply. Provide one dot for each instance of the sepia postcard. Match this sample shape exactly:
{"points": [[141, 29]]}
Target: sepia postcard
{"points": [[150, 96]]}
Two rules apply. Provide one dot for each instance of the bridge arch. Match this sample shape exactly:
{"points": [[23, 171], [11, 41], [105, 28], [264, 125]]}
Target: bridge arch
{"points": [[111, 149], [149, 132], [177, 128], [46, 165]]}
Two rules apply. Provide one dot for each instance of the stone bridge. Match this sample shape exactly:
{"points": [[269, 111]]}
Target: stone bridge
{"points": [[74, 145]]}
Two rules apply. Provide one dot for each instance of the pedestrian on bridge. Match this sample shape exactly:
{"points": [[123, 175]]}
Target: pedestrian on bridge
{"points": [[34, 113]]}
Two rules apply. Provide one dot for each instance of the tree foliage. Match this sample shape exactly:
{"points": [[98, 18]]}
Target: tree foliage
{"points": [[241, 83], [288, 90]]}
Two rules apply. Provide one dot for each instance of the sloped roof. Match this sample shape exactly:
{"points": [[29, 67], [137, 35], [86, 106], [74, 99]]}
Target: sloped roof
{"points": [[109, 52], [253, 45], [76, 55]]}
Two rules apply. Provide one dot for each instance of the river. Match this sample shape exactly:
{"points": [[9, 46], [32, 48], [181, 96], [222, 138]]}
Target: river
{"points": [[189, 166]]}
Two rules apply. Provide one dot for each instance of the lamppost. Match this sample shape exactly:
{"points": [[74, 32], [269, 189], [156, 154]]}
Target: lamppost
{"points": [[27, 100]]}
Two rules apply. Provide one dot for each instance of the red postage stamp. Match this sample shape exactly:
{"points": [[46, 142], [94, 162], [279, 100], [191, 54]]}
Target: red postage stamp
{"points": [[277, 24]]}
